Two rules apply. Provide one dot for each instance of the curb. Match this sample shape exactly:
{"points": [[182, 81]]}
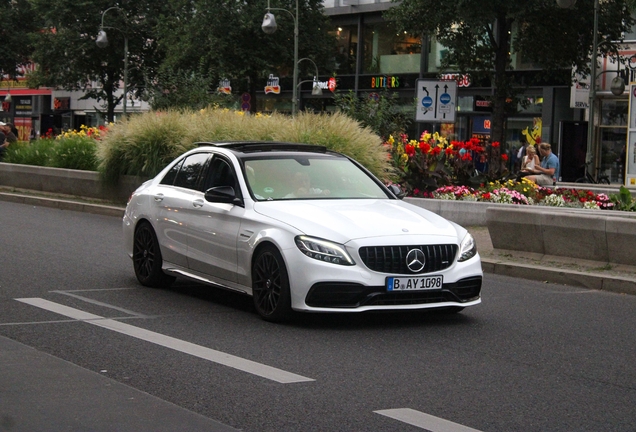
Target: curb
{"points": [[63, 204], [614, 284], [607, 283]]}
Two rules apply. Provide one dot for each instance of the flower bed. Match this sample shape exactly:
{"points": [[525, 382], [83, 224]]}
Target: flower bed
{"points": [[525, 192]]}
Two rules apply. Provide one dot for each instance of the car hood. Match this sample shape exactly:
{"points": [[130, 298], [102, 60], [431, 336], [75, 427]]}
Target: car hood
{"points": [[344, 220]]}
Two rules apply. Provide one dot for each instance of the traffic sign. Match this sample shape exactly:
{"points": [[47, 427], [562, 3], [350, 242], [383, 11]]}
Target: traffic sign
{"points": [[437, 101]]}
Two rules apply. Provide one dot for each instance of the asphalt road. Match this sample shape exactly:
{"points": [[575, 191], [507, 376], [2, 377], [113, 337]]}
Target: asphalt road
{"points": [[531, 357]]}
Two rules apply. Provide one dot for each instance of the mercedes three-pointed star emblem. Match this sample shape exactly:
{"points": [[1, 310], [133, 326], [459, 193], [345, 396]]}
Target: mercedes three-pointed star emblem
{"points": [[415, 260]]}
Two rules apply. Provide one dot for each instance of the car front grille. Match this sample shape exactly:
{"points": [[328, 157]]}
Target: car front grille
{"points": [[392, 259]]}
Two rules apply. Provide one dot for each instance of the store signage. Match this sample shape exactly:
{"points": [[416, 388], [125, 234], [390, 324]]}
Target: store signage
{"points": [[273, 85], [482, 104], [225, 87], [23, 106], [326, 85], [462, 80], [385, 82], [332, 84], [481, 127], [62, 103]]}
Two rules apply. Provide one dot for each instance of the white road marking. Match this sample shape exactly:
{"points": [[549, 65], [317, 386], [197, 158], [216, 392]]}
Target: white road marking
{"points": [[424, 421], [219, 357], [99, 303]]}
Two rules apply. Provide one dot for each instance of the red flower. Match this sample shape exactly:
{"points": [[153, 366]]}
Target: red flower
{"points": [[425, 147], [436, 150], [504, 157], [467, 157], [448, 151], [486, 195], [409, 149], [495, 144]]}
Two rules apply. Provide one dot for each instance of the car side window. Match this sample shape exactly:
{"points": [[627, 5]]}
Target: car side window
{"points": [[220, 173], [189, 175], [168, 179]]}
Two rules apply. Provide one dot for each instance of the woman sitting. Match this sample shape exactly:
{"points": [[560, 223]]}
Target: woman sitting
{"points": [[530, 160]]}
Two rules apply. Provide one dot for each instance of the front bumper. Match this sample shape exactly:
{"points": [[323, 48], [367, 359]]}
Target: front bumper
{"points": [[352, 295], [322, 287]]}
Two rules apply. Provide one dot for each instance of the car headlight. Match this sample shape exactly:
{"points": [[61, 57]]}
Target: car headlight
{"points": [[324, 250], [467, 249]]}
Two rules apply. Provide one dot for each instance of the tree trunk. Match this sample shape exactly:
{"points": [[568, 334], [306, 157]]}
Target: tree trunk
{"points": [[501, 92]]}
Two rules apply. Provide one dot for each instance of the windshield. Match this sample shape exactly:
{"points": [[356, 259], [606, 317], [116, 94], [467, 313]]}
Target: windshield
{"points": [[308, 177]]}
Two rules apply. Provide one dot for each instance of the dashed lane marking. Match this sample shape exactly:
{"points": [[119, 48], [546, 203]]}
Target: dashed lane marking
{"points": [[215, 356], [424, 421]]}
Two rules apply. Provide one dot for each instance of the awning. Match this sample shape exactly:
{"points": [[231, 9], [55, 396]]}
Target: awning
{"points": [[26, 92]]}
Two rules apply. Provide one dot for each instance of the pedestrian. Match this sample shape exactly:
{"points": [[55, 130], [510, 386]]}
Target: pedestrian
{"points": [[548, 170], [8, 133], [521, 152], [3, 143]]}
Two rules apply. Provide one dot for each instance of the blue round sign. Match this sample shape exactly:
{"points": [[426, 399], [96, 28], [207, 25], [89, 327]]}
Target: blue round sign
{"points": [[427, 101], [445, 98]]}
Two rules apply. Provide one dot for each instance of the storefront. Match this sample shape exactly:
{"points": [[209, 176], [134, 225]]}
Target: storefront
{"points": [[27, 109]]}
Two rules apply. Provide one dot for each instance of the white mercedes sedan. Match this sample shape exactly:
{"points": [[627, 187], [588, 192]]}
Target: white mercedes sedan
{"points": [[298, 228]]}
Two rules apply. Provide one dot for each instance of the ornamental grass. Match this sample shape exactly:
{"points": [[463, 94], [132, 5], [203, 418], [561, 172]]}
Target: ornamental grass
{"points": [[145, 143]]}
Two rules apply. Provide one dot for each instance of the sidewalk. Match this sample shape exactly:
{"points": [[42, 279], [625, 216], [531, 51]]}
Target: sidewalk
{"points": [[545, 268]]}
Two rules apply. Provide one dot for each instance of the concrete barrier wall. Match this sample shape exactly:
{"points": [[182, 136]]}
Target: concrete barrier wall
{"points": [[65, 181], [574, 233]]}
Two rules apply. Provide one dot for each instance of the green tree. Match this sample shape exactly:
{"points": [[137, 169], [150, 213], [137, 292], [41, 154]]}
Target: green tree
{"points": [[481, 35], [383, 116], [17, 21], [215, 39], [68, 57]]}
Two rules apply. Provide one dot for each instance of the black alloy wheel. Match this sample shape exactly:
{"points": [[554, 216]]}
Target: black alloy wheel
{"points": [[147, 259], [270, 285]]}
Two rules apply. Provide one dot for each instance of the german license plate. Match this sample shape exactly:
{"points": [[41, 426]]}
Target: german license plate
{"points": [[414, 283]]}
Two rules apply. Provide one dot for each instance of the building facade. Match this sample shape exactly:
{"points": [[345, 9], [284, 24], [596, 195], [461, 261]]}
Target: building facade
{"points": [[372, 56]]}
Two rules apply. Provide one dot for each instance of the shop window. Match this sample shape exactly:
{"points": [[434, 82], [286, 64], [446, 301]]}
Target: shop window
{"points": [[613, 142], [613, 137], [387, 51], [614, 112], [346, 48]]}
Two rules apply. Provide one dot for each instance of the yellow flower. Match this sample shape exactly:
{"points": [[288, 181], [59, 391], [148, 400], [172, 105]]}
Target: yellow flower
{"points": [[404, 158]]}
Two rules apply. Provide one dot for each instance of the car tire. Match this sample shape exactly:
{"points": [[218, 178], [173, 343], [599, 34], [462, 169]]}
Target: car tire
{"points": [[270, 285], [147, 259]]}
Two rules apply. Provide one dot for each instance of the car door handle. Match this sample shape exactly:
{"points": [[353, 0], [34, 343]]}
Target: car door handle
{"points": [[197, 203], [158, 197]]}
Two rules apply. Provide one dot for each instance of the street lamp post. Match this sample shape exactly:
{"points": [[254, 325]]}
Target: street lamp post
{"points": [[102, 42], [269, 27]]}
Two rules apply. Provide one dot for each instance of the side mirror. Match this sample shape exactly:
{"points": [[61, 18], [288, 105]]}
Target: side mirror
{"points": [[395, 190], [222, 194]]}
